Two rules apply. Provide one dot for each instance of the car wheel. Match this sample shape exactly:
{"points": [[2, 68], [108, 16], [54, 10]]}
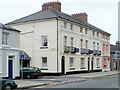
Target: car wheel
{"points": [[8, 87], [28, 76]]}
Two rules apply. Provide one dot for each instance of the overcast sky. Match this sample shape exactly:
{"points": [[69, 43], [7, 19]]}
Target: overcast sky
{"points": [[101, 13]]}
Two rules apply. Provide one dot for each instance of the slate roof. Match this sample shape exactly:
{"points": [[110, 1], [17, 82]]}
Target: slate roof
{"points": [[3, 26], [114, 48], [52, 13]]}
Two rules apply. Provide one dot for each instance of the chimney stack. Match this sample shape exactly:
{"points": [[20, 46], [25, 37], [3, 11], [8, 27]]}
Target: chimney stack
{"points": [[82, 16], [54, 4]]}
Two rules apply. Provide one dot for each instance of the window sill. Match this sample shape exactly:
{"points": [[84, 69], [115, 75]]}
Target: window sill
{"points": [[43, 68], [83, 68], [72, 68], [43, 47], [98, 67], [5, 46]]}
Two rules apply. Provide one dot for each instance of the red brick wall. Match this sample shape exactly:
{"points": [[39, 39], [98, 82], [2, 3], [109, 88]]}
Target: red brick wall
{"points": [[55, 4], [82, 16]]}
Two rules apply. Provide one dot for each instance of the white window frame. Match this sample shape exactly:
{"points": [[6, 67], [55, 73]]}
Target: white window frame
{"points": [[5, 38], [97, 34], [86, 44], [93, 33], [71, 26], [65, 42], [98, 63], [44, 64], [44, 40], [82, 63], [71, 62], [86, 31], [81, 29], [65, 24], [104, 62], [93, 45], [81, 43], [97, 46], [71, 43]]}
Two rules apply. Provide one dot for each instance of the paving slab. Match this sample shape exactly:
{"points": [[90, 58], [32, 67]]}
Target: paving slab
{"points": [[30, 83]]}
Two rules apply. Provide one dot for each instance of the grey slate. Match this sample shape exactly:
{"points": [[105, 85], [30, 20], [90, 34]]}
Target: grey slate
{"points": [[52, 13], [3, 26]]}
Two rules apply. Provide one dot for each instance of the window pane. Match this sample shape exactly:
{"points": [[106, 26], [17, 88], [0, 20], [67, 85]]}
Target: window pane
{"points": [[65, 25], [4, 38], [82, 63], [44, 61], [71, 27], [86, 31], [86, 44], [81, 41], [81, 29], [71, 41], [98, 62], [71, 62], [93, 33], [44, 41]]}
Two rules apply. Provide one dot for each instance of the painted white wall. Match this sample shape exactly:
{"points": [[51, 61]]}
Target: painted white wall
{"points": [[0, 52], [77, 36], [31, 43], [12, 49]]}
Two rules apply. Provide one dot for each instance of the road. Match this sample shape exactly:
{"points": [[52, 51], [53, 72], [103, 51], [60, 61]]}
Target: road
{"points": [[106, 82]]}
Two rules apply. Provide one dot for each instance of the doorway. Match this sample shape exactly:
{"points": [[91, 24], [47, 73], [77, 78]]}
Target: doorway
{"points": [[63, 65], [88, 64], [92, 64], [10, 67]]}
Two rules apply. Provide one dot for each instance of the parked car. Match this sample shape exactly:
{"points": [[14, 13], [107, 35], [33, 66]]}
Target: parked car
{"points": [[30, 72], [7, 84]]}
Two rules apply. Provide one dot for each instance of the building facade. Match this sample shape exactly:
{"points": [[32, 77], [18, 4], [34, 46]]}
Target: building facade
{"points": [[9, 51], [60, 43], [105, 44], [114, 56]]}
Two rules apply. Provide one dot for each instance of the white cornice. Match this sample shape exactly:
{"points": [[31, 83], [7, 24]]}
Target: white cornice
{"points": [[8, 48]]}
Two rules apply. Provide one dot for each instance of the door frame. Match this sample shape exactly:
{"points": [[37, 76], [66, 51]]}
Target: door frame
{"points": [[14, 61]]}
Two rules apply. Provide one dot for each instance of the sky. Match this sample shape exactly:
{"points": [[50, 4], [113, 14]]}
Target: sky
{"points": [[101, 13]]}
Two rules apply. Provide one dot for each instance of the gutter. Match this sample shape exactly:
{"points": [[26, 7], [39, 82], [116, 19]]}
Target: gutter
{"points": [[57, 45]]}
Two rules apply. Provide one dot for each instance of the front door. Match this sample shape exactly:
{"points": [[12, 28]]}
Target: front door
{"points": [[88, 65], [10, 68], [63, 65], [92, 65]]}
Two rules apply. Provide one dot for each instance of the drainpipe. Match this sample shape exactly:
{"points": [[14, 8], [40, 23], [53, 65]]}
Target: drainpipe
{"points": [[57, 45]]}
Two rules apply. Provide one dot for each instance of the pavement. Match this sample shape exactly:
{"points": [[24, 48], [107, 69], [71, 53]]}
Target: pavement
{"points": [[51, 80]]}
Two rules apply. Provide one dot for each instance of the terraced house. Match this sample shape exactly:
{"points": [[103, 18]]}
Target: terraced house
{"points": [[9, 51], [59, 43]]}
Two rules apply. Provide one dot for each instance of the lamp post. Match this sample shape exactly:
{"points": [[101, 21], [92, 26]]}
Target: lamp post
{"points": [[22, 57]]}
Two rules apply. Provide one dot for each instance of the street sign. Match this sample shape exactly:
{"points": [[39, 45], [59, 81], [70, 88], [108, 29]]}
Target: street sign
{"points": [[22, 56]]}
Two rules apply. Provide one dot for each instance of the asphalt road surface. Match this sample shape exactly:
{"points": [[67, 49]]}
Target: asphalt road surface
{"points": [[107, 82]]}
